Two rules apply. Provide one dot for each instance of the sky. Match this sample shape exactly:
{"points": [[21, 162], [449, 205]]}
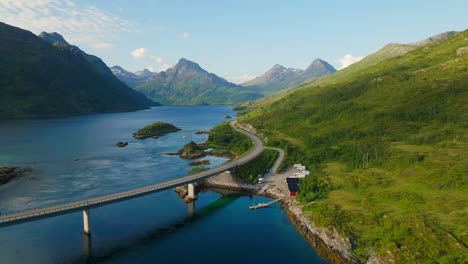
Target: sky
{"points": [[236, 39]]}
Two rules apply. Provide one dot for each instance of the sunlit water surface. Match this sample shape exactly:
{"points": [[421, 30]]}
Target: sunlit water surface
{"points": [[75, 158]]}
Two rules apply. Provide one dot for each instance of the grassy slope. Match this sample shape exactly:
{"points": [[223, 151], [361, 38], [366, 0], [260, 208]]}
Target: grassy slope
{"points": [[388, 51], [408, 115]]}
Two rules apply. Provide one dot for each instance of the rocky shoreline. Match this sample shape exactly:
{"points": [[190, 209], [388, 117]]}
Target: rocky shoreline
{"points": [[9, 173], [213, 153], [326, 241]]}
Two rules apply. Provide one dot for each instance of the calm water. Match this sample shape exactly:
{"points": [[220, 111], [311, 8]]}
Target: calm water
{"points": [[76, 158]]}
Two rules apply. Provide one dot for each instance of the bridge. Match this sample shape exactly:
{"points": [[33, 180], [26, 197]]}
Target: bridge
{"points": [[86, 205]]}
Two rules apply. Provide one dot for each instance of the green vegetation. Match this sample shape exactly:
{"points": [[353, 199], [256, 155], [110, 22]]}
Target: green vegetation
{"points": [[194, 149], [41, 79], [223, 136], [249, 171], [388, 150], [156, 129], [188, 84], [388, 51], [197, 170]]}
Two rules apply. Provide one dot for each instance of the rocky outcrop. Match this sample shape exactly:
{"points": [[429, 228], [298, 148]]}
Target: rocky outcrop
{"points": [[121, 144], [199, 162], [249, 128], [182, 192], [462, 51], [227, 117], [203, 132], [191, 156], [9, 173]]}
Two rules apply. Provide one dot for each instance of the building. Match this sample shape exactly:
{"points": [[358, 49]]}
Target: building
{"points": [[293, 187]]}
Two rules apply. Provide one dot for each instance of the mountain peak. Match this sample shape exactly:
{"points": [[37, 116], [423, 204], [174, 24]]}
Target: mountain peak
{"points": [[319, 68], [276, 68], [53, 37], [185, 64]]}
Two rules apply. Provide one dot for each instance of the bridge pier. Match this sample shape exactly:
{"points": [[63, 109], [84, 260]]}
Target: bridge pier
{"points": [[191, 192], [191, 208], [86, 223]]}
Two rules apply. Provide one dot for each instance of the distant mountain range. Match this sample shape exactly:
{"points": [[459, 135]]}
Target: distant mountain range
{"points": [[188, 84], [132, 79], [46, 76], [279, 77]]}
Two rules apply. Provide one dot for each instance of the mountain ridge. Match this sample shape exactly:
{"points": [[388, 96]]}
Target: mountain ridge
{"points": [[132, 79], [40, 79], [279, 77], [189, 84]]}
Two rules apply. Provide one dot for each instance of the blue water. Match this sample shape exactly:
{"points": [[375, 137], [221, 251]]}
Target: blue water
{"points": [[75, 158]]}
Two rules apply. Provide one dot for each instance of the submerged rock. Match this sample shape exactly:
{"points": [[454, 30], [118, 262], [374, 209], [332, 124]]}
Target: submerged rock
{"points": [[121, 144], [9, 173], [200, 162]]}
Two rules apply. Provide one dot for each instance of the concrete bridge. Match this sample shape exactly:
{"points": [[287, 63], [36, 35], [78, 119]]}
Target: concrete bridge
{"points": [[86, 205]]}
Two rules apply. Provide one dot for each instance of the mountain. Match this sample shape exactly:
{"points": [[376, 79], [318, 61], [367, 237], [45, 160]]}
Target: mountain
{"points": [[43, 79], [388, 51], [132, 79], [56, 39], [387, 147], [279, 77], [188, 84]]}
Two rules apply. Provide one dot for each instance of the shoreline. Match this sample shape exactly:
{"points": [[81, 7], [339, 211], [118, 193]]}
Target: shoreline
{"points": [[328, 243]]}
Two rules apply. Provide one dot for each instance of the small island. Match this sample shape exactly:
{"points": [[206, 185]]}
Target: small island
{"points": [[155, 130], [227, 117], [192, 151], [200, 162]]}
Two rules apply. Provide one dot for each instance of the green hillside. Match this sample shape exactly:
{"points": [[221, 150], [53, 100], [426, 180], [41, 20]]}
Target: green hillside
{"points": [[40, 79], [389, 150], [388, 51], [188, 84]]}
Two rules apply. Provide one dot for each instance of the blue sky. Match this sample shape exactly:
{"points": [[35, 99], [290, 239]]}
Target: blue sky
{"points": [[239, 39]]}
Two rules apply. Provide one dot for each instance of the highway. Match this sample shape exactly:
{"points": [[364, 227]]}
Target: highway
{"points": [[27, 216]]}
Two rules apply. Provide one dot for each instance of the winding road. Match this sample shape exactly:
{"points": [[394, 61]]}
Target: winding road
{"points": [[23, 217]]}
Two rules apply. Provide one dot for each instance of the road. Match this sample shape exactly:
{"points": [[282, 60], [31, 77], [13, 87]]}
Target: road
{"points": [[12, 219], [278, 161]]}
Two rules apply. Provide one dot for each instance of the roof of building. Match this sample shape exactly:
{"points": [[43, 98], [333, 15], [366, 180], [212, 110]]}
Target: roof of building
{"points": [[293, 187], [292, 180]]}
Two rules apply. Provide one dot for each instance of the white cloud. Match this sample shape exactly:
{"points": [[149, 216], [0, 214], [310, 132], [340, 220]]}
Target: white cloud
{"points": [[247, 77], [349, 59], [185, 35], [241, 78], [164, 67], [156, 58], [102, 45], [140, 53], [152, 68], [79, 24]]}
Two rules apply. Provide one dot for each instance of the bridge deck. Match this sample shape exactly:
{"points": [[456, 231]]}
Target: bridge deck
{"points": [[51, 211]]}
